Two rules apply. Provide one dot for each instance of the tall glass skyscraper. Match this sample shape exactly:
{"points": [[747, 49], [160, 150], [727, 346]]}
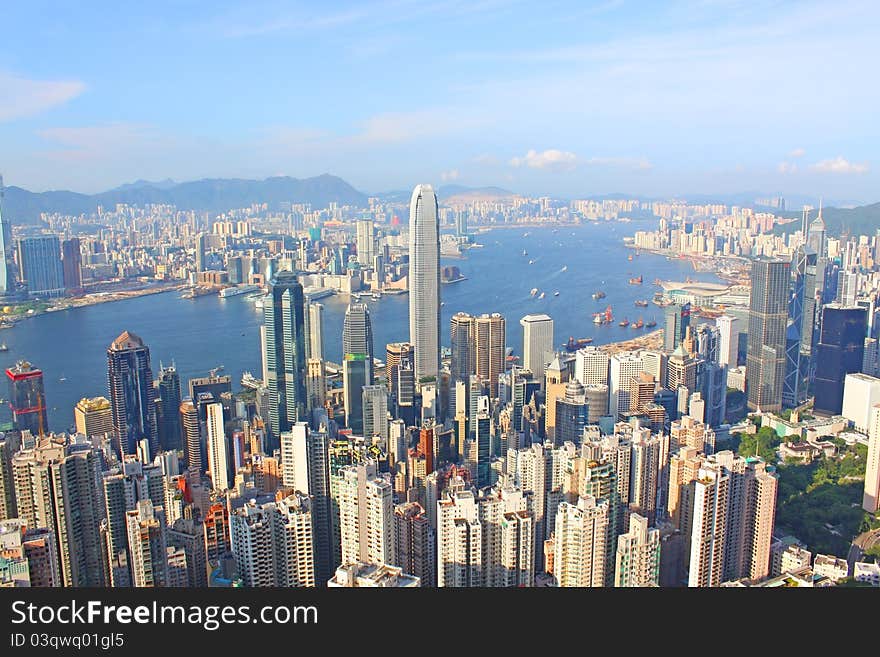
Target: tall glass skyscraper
{"points": [[357, 333], [39, 260], [839, 352], [169, 407], [132, 396], [424, 281], [768, 318], [357, 366], [285, 352]]}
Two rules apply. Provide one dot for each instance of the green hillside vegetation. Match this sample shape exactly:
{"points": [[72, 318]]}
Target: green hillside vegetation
{"points": [[863, 220], [820, 502]]}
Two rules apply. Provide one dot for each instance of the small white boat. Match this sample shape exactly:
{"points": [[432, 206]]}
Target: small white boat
{"points": [[541, 296], [556, 294], [533, 291], [531, 262], [564, 267]]}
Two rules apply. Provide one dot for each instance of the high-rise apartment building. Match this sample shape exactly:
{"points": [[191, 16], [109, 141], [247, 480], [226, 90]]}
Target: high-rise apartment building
{"points": [[71, 264], [147, 545], [581, 543], [168, 408], [414, 542], [638, 555], [273, 542], [623, 367], [366, 515]]}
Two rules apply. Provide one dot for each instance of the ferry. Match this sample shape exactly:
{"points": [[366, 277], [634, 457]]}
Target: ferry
{"points": [[636, 281], [641, 303], [236, 290]]}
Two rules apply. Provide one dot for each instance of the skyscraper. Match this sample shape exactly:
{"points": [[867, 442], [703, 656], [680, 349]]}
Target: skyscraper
{"points": [[537, 344], [194, 453], [357, 335], [572, 414], [39, 260], [366, 516], [840, 351], [365, 242], [147, 545], [27, 400], [6, 281], [168, 408], [638, 555], [374, 406], [871, 498], [729, 338], [285, 352], [355, 375], [132, 396], [273, 542], [414, 542], [315, 334], [677, 318], [580, 558], [71, 261], [623, 367], [200, 254], [218, 459], [768, 318], [461, 334], [489, 339], [424, 281]]}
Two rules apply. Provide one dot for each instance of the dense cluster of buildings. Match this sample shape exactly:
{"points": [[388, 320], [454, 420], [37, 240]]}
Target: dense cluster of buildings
{"points": [[431, 468]]}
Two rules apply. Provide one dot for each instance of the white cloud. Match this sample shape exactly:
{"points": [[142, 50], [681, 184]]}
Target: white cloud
{"points": [[23, 97], [839, 164], [797, 152], [786, 167], [447, 176], [551, 158]]}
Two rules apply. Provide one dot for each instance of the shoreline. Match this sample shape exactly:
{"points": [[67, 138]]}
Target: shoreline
{"points": [[94, 299]]}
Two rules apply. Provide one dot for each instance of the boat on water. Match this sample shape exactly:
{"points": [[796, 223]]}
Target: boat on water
{"points": [[541, 296], [623, 323], [260, 301], [376, 296], [574, 345], [62, 379], [236, 290], [639, 324], [629, 257], [599, 295], [248, 380], [564, 267], [641, 303], [3, 347], [556, 293], [533, 291], [531, 262], [651, 324], [636, 281], [597, 318], [525, 253]]}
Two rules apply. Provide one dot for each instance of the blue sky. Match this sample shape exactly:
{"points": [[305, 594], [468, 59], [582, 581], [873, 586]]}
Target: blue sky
{"points": [[559, 98]]}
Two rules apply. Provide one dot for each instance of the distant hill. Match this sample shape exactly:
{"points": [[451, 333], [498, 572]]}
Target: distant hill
{"points": [[862, 220], [209, 195]]}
